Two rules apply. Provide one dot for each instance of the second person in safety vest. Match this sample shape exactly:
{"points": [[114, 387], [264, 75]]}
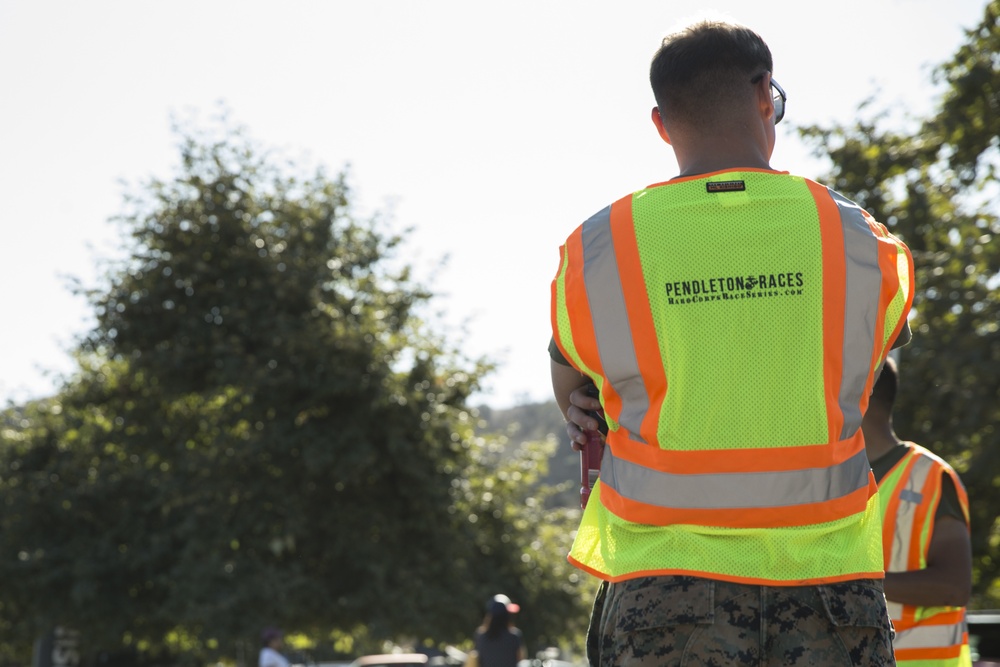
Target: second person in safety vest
{"points": [[925, 536], [734, 319]]}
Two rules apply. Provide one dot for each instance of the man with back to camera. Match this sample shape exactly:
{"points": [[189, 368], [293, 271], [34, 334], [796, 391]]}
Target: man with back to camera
{"points": [[928, 553], [734, 319]]}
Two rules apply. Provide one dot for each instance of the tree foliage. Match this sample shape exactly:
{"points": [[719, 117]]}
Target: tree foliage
{"points": [[936, 188], [263, 431]]}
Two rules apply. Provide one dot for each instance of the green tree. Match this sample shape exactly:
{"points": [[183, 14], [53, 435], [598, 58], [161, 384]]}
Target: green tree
{"points": [[935, 185], [262, 430], [512, 502]]}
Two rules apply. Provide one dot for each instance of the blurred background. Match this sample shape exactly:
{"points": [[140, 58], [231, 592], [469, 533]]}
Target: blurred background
{"points": [[276, 294]]}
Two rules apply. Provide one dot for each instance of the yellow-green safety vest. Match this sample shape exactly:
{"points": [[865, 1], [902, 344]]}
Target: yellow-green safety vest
{"points": [[909, 497], [734, 323]]}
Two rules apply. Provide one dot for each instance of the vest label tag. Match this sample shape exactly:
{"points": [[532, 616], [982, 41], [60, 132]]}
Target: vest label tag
{"points": [[725, 186]]}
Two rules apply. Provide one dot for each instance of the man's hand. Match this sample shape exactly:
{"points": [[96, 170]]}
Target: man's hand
{"points": [[570, 389], [577, 418]]}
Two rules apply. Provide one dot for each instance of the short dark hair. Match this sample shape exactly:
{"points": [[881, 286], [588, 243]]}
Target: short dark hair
{"points": [[698, 72], [884, 391]]}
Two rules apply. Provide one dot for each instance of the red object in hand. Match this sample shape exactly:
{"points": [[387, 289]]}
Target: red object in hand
{"points": [[590, 455], [590, 464]]}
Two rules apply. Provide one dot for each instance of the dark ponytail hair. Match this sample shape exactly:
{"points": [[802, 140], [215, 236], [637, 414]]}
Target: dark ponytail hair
{"points": [[499, 620]]}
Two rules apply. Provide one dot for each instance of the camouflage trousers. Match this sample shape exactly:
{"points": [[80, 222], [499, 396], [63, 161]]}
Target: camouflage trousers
{"points": [[679, 620]]}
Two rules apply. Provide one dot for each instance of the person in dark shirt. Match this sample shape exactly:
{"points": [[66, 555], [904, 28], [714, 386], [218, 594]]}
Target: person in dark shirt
{"points": [[497, 642]]}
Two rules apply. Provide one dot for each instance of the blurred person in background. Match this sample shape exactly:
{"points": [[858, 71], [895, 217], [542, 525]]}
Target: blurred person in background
{"points": [[272, 640], [497, 642]]}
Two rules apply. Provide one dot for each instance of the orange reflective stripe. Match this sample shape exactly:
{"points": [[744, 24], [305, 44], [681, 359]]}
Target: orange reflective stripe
{"points": [[757, 517], [739, 460], [937, 653], [954, 616], [930, 490], [577, 304], [887, 259], [640, 316], [740, 580], [834, 299]]}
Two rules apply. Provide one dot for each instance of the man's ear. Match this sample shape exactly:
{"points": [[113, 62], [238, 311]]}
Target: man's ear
{"points": [[765, 102], [658, 122]]}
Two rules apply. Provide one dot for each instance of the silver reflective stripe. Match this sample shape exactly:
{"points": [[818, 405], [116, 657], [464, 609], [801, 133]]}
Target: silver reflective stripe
{"points": [[861, 312], [894, 609], [930, 636], [606, 299], [746, 490], [906, 515]]}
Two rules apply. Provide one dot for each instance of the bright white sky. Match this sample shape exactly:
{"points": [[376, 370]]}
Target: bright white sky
{"points": [[493, 129]]}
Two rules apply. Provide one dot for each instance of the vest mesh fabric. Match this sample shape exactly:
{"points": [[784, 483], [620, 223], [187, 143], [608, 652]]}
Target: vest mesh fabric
{"points": [[748, 362], [613, 548], [735, 284]]}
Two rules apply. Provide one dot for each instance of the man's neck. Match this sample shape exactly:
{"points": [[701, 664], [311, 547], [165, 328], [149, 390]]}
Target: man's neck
{"points": [[720, 153], [713, 163], [880, 441]]}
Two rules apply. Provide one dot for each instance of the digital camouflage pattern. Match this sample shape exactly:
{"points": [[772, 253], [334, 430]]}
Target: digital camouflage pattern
{"points": [[680, 620]]}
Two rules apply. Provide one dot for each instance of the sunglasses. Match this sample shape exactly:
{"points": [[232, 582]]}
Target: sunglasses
{"points": [[779, 97]]}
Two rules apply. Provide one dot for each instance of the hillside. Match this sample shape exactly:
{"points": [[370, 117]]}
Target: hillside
{"points": [[540, 421]]}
